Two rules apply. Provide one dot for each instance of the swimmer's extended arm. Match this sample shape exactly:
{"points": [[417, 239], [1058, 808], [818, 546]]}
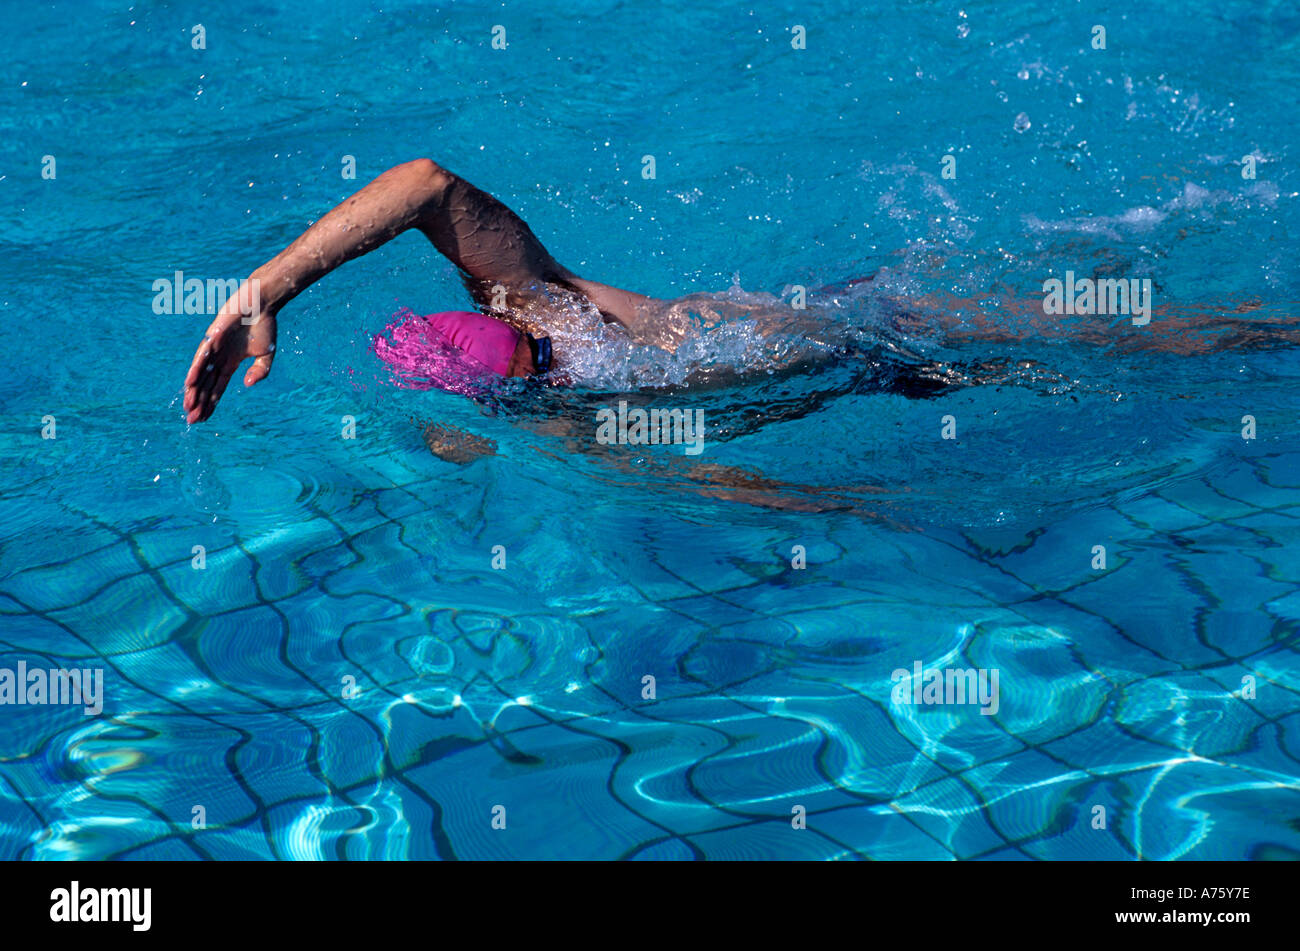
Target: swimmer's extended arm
{"points": [[385, 208], [488, 242]]}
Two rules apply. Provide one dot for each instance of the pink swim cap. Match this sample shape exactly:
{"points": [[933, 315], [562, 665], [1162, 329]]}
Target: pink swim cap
{"points": [[455, 350]]}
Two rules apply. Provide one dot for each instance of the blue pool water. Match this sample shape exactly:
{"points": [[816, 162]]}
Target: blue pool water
{"points": [[368, 562]]}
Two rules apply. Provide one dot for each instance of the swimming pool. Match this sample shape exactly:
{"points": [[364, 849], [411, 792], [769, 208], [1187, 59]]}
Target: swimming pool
{"points": [[385, 655]]}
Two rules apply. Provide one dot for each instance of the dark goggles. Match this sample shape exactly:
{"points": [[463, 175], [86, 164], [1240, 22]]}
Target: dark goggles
{"points": [[541, 347]]}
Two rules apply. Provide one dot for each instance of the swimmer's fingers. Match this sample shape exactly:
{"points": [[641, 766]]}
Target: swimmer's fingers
{"points": [[214, 364], [211, 384], [199, 377], [223, 381]]}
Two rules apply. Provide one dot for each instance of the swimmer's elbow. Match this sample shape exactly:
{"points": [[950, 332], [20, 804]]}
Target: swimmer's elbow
{"points": [[423, 174]]}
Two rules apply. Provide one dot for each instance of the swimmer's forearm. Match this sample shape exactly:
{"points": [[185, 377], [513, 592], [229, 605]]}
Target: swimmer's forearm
{"points": [[245, 327], [394, 202]]}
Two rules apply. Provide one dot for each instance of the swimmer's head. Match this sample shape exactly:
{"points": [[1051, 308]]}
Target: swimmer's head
{"points": [[461, 351], [489, 342]]}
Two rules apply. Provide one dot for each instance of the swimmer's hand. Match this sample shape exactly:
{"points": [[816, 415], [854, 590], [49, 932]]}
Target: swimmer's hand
{"points": [[231, 339], [455, 445]]}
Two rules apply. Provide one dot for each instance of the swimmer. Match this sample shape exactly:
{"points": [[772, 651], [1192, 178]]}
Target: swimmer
{"points": [[507, 271]]}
